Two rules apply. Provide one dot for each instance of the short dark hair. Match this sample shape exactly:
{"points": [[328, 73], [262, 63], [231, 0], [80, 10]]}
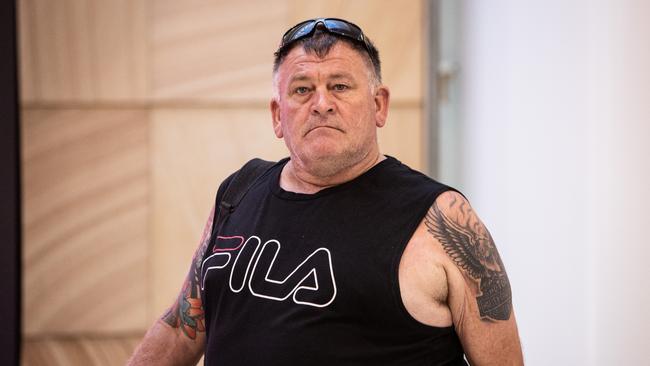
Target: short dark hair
{"points": [[321, 42]]}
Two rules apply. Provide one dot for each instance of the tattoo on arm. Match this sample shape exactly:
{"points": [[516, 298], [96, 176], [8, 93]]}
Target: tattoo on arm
{"points": [[187, 312], [469, 244]]}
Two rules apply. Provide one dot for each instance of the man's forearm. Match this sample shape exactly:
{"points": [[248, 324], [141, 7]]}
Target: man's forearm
{"points": [[164, 345]]}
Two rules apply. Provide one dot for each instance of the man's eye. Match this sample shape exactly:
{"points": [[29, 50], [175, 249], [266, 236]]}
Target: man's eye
{"points": [[340, 87], [301, 90]]}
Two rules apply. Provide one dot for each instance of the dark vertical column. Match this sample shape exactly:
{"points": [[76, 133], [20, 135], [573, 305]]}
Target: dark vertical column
{"points": [[10, 257], [431, 97]]}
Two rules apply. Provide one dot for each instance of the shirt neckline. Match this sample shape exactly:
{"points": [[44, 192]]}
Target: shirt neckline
{"points": [[274, 181]]}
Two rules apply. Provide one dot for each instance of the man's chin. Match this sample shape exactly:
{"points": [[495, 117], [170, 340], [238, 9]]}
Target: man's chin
{"points": [[324, 152], [325, 162]]}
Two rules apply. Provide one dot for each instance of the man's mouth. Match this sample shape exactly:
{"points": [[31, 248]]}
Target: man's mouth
{"points": [[322, 127]]}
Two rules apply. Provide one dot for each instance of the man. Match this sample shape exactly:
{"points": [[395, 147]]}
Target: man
{"points": [[339, 255]]}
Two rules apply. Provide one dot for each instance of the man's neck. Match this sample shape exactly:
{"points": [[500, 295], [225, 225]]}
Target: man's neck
{"points": [[297, 180]]}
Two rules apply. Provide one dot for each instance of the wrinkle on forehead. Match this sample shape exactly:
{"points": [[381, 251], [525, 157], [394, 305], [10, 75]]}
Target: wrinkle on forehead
{"points": [[303, 60], [312, 58]]}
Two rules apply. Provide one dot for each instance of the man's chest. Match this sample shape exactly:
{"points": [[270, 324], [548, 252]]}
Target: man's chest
{"points": [[331, 272]]}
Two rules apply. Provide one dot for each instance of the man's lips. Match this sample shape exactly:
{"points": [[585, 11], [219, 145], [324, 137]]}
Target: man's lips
{"points": [[321, 127]]}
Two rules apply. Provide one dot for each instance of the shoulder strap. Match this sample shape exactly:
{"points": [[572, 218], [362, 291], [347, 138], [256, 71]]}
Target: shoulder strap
{"points": [[240, 184]]}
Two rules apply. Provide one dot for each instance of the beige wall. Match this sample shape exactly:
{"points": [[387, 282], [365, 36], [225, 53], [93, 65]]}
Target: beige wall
{"points": [[133, 112]]}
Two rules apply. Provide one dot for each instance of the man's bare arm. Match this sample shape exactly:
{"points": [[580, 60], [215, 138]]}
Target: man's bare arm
{"points": [[479, 296], [178, 337]]}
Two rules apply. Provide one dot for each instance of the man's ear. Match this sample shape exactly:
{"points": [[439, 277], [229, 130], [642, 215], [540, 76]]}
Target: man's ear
{"points": [[275, 115], [382, 100]]}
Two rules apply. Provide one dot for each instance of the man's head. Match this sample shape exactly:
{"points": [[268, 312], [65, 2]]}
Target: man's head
{"points": [[328, 98]]}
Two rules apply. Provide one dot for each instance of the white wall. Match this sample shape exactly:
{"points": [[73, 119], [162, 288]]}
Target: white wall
{"points": [[554, 133]]}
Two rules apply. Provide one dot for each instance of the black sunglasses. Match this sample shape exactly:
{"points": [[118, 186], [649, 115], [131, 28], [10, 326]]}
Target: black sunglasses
{"points": [[333, 25]]}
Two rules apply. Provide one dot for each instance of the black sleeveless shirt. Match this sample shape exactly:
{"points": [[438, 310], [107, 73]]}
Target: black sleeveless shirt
{"points": [[312, 279]]}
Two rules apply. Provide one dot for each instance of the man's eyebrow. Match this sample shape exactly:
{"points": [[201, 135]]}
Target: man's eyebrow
{"points": [[341, 75], [335, 76], [298, 77]]}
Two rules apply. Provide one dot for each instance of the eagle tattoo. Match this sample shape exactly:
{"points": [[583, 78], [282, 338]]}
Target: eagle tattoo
{"points": [[469, 244]]}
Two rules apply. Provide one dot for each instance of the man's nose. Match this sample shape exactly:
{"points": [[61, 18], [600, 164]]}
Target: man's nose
{"points": [[322, 103]]}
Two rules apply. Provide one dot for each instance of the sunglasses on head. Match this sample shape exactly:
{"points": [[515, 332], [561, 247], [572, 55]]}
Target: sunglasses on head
{"points": [[333, 25]]}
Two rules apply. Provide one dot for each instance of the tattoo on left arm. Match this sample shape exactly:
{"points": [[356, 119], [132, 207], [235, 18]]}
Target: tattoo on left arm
{"points": [[187, 313], [470, 246]]}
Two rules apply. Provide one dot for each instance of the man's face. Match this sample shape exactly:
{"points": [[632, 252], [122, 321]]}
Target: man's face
{"points": [[328, 109]]}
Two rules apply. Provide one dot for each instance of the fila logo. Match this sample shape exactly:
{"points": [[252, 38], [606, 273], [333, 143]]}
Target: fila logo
{"points": [[310, 283]]}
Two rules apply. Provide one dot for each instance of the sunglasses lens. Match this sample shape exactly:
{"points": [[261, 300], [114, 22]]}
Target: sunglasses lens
{"points": [[343, 28], [298, 31]]}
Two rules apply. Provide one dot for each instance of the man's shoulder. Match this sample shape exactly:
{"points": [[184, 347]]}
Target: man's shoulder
{"points": [[253, 167], [405, 177], [246, 175]]}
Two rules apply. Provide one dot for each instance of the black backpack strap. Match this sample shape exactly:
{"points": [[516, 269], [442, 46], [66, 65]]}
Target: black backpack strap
{"points": [[239, 185]]}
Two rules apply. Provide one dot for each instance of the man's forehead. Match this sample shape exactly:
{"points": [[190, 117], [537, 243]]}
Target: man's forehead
{"points": [[340, 54]]}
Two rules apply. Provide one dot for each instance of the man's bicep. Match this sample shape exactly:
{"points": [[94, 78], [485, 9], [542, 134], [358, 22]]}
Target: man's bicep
{"points": [[480, 297], [187, 313], [469, 245]]}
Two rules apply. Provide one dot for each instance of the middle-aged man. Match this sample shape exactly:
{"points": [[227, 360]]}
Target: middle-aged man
{"points": [[338, 255]]}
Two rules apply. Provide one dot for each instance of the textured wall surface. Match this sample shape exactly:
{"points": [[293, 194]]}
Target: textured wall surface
{"points": [[133, 112], [85, 177]]}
